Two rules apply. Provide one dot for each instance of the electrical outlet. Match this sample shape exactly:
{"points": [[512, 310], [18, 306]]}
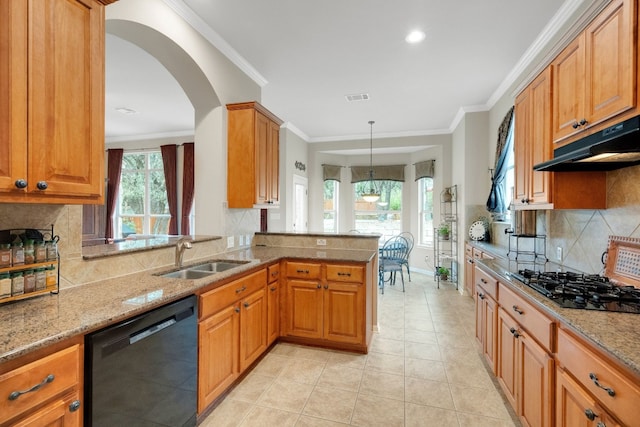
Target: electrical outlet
{"points": [[247, 239], [230, 242], [559, 253], [241, 240], [321, 242]]}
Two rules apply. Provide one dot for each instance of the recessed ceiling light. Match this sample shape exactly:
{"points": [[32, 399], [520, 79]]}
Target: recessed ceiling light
{"points": [[415, 37], [127, 111]]}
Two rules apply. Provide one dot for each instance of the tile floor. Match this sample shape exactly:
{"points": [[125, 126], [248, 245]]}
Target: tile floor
{"points": [[423, 369]]}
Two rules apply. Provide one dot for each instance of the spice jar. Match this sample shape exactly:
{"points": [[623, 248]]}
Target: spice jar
{"points": [[52, 250], [40, 251], [29, 254], [5, 285], [5, 255], [17, 253], [41, 278], [51, 276], [29, 281], [17, 283]]}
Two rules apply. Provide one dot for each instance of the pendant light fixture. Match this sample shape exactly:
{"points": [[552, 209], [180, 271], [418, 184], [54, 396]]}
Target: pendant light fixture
{"points": [[372, 195]]}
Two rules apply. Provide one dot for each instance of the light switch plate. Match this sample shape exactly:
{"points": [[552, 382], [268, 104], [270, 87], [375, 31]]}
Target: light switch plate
{"points": [[229, 242], [321, 242], [241, 240], [559, 253]]}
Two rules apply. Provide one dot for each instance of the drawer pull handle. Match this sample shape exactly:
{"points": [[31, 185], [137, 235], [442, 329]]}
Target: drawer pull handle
{"points": [[590, 414], [74, 406], [518, 310], [481, 295], [319, 286], [246, 305], [483, 281], [302, 271], [514, 332], [611, 392], [326, 286], [344, 274], [273, 288], [237, 309], [242, 289], [16, 394]]}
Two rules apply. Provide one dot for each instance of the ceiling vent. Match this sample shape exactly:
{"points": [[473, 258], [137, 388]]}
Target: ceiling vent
{"points": [[357, 97]]}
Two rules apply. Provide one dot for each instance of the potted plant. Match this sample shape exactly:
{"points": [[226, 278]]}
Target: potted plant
{"points": [[443, 272], [444, 231]]}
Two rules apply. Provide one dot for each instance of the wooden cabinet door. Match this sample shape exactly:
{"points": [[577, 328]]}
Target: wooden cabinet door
{"points": [[13, 87], [262, 158], [304, 308], [66, 98], [273, 163], [507, 360], [539, 144], [58, 413], [468, 275], [522, 115], [479, 316], [569, 90], [218, 342], [610, 62], [535, 382], [273, 312], [253, 327], [490, 320], [344, 312]]}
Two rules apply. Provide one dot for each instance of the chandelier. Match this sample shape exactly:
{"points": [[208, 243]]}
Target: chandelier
{"points": [[372, 195]]}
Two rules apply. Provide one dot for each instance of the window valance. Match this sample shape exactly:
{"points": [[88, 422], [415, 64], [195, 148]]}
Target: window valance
{"points": [[331, 172], [380, 173], [425, 169]]}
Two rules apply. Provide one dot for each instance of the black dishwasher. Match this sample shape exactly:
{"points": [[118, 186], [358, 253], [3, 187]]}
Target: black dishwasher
{"points": [[143, 371]]}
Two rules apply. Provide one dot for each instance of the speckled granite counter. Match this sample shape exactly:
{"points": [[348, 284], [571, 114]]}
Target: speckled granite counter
{"points": [[32, 324], [617, 334]]}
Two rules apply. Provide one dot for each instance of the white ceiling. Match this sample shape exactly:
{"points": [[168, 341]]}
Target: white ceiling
{"points": [[313, 53]]}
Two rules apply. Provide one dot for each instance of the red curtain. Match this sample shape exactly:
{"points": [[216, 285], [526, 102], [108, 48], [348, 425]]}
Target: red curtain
{"points": [[187, 187], [169, 156], [114, 158]]}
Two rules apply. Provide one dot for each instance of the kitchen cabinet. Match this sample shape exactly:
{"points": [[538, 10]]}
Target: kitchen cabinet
{"points": [[52, 121], [232, 333], [253, 141], [533, 145], [325, 303], [599, 389], [525, 367], [595, 75], [56, 401], [486, 294], [468, 270], [273, 303]]}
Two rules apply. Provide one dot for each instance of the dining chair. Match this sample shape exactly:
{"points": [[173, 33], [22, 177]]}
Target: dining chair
{"points": [[407, 235], [392, 256]]}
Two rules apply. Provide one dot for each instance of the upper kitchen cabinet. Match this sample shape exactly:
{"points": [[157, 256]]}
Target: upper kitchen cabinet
{"points": [[594, 77], [533, 145], [252, 156], [52, 121]]}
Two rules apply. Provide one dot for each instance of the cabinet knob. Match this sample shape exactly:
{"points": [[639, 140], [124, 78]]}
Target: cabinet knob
{"points": [[246, 305], [237, 309], [590, 414], [273, 288], [514, 332], [481, 295], [319, 286], [326, 286], [21, 183], [575, 125], [42, 185], [583, 122], [74, 406]]}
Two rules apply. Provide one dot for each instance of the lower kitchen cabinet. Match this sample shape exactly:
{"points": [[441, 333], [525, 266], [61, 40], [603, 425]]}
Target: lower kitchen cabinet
{"points": [[273, 303], [44, 392], [486, 315], [253, 327]]}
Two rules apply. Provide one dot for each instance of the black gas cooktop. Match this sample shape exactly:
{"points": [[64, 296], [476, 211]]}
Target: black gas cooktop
{"points": [[582, 291]]}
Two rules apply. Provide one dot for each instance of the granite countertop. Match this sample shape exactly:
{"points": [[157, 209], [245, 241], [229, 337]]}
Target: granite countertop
{"points": [[615, 333], [28, 325], [138, 244]]}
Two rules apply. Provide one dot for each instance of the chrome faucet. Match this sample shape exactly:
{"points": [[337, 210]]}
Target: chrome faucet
{"points": [[181, 245]]}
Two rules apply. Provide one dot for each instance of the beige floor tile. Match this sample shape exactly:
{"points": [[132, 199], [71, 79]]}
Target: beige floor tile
{"points": [[473, 420], [305, 421], [423, 337], [389, 363], [271, 365], [263, 417], [387, 346], [229, 413], [425, 369], [341, 378], [391, 333], [331, 404], [347, 360], [382, 384], [286, 395], [312, 353], [425, 392], [422, 416], [374, 411], [422, 351], [284, 349], [456, 340], [302, 370], [479, 401], [251, 388], [468, 373]]}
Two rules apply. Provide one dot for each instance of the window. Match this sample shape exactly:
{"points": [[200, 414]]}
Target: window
{"points": [[142, 202], [509, 181], [425, 200], [331, 206], [385, 215]]}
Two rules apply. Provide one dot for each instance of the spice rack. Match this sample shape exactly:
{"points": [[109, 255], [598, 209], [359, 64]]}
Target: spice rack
{"points": [[8, 236]]}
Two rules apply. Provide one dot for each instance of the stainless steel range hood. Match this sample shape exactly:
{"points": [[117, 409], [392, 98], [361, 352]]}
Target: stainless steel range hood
{"points": [[615, 147]]}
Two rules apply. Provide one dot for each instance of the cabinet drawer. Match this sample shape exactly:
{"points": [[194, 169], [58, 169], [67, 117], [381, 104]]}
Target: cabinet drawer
{"points": [[219, 298], [345, 273], [61, 368], [583, 363], [273, 273], [485, 281], [539, 326], [477, 253], [303, 270], [468, 250]]}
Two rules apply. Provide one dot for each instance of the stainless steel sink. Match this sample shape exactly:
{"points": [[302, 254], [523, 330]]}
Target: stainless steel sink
{"points": [[187, 274], [217, 266]]}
